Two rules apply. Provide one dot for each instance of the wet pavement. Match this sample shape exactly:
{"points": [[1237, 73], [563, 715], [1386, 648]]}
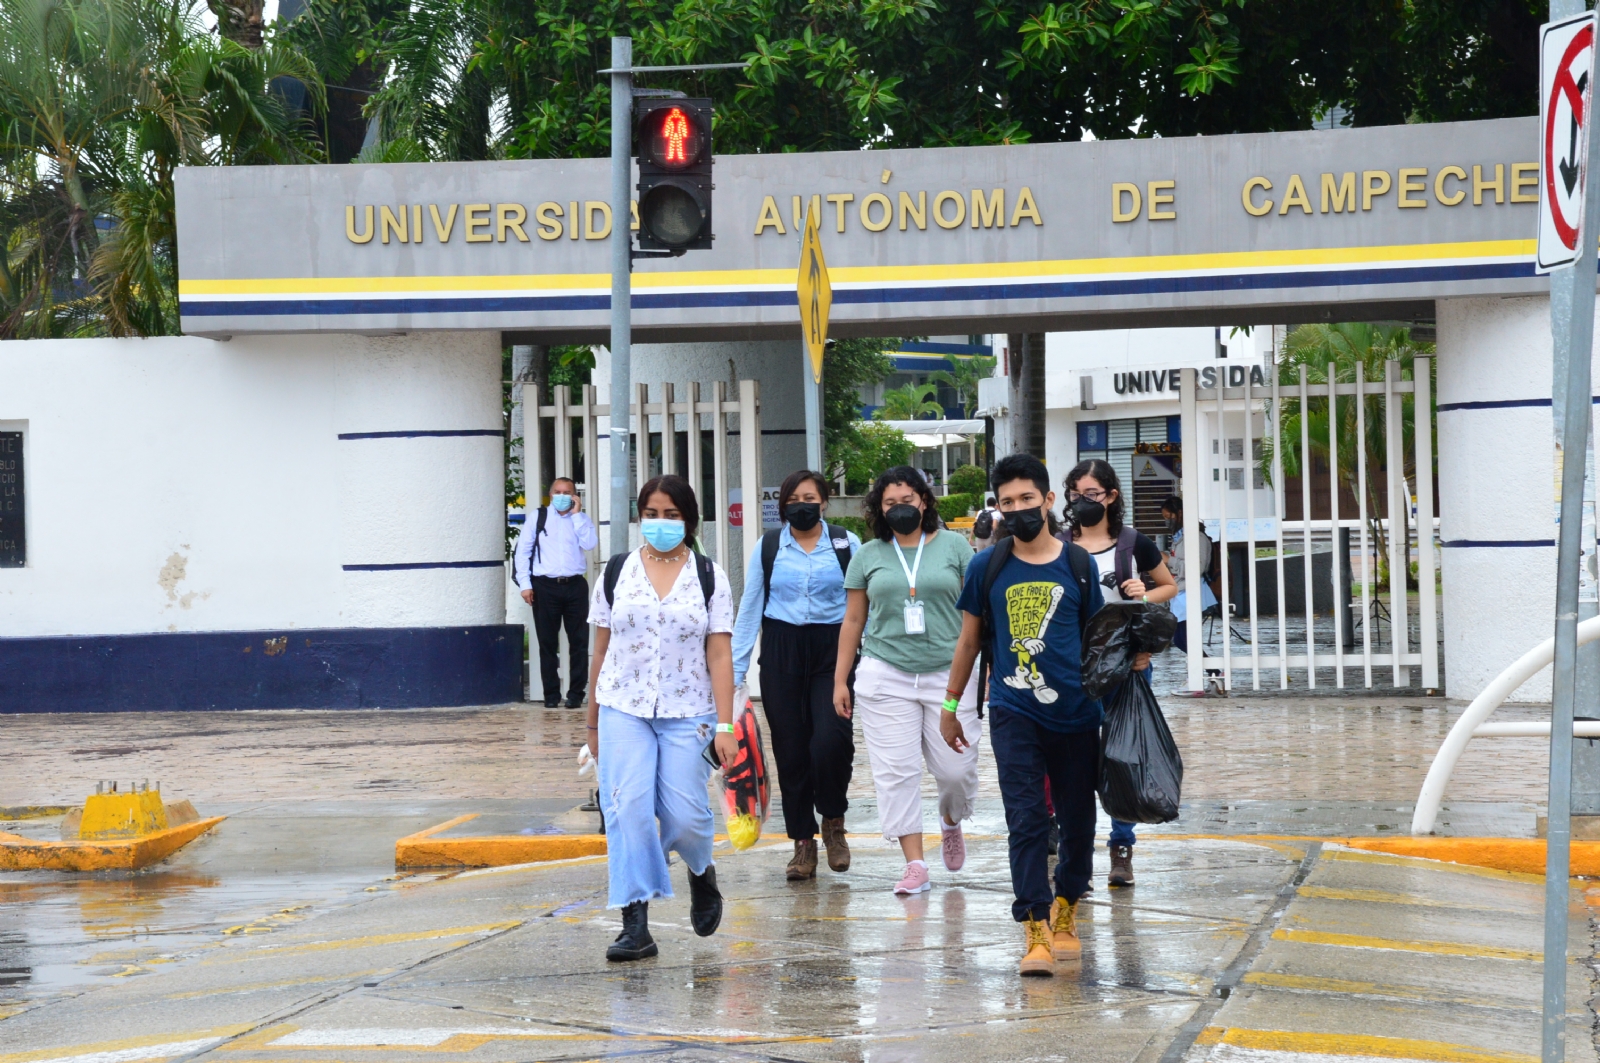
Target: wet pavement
{"points": [[286, 935]]}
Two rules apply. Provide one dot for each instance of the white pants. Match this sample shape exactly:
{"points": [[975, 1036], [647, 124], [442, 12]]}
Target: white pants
{"points": [[900, 714]]}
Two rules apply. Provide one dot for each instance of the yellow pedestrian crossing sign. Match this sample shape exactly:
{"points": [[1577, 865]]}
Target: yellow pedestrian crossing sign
{"points": [[816, 294]]}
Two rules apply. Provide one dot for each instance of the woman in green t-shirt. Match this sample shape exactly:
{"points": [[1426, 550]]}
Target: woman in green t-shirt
{"points": [[901, 592]]}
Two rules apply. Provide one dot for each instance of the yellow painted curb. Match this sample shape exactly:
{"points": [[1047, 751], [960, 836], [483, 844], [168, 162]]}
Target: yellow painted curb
{"points": [[1521, 855], [422, 850], [124, 854], [1334, 1044]]}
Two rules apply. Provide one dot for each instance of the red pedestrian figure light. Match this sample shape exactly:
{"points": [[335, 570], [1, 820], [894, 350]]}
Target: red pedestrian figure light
{"points": [[675, 131]]}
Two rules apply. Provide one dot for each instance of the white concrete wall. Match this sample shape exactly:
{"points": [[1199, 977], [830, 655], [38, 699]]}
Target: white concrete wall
{"points": [[184, 484], [1496, 483]]}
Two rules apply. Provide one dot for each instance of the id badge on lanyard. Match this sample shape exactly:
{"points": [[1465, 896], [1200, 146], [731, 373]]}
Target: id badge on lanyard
{"points": [[916, 623]]}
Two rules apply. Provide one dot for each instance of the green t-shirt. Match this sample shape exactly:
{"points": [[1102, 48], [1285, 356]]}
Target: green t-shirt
{"points": [[876, 570]]}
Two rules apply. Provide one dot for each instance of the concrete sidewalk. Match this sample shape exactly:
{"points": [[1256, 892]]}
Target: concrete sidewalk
{"points": [[286, 935]]}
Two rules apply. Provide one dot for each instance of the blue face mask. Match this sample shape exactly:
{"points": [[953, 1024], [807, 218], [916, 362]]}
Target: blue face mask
{"points": [[664, 535], [562, 503]]}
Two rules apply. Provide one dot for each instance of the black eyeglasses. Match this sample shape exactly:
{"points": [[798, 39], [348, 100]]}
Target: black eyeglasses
{"points": [[1094, 494]]}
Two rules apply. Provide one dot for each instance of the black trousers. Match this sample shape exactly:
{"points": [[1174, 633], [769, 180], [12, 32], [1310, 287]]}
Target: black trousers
{"points": [[1025, 755], [558, 601], [814, 747]]}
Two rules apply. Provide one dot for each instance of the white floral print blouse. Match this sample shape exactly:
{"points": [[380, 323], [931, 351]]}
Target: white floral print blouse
{"points": [[655, 664]]}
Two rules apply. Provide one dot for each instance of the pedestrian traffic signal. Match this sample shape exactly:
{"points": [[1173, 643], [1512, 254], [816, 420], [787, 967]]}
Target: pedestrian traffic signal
{"points": [[674, 145]]}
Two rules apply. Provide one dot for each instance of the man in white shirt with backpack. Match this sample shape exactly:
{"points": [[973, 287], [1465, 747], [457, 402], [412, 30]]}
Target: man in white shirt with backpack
{"points": [[549, 563]]}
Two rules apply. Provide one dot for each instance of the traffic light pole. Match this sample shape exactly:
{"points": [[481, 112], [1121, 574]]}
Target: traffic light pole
{"points": [[621, 285]]}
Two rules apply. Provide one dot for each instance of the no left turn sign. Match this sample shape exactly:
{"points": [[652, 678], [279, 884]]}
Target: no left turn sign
{"points": [[1566, 78]]}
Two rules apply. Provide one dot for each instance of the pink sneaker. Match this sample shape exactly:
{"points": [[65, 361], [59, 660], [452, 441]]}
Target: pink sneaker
{"points": [[954, 846], [915, 880]]}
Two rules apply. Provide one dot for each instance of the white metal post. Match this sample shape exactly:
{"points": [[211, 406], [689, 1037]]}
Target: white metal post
{"points": [[719, 474], [1361, 511], [1250, 529], [750, 462], [1194, 575], [1226, 621], [1305, 525], [669, 432], [1278, 508], [1333, 523], [1427, 615], [591, 460], [1399, 613], [642, 410]]}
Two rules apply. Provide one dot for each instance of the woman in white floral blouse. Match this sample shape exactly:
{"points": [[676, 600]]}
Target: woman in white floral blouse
{"points": [[663, 691]]}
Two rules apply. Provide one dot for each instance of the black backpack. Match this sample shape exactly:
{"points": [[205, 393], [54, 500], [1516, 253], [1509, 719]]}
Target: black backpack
{"points": [[1082, 566], [769, 556], [702, 568]]}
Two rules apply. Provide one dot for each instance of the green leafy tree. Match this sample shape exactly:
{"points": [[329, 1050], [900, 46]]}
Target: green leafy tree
{"points": [[871, 449], [963, 375], [909, 402], [969, 480], [848, 366]]}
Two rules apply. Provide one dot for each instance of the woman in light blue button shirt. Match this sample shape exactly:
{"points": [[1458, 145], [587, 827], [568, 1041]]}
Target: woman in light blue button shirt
{"points": [[798, 618]]}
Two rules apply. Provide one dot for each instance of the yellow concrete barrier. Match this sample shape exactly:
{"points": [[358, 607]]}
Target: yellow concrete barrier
{"points": [[121, 854], [422, 850], [122, 815]]}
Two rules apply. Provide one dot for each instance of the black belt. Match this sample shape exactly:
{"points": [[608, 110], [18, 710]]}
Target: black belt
{"points": [[560, 579]]}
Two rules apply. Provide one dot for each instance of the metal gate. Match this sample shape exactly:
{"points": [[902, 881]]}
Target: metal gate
{"points": [[1208, 473], [698, 414]]}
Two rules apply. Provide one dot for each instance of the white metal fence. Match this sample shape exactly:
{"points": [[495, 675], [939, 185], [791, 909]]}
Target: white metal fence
{"points": [[1206, 496], [672, 416]]}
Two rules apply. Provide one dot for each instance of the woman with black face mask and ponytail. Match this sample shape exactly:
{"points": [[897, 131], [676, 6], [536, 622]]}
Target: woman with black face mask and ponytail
{"points": [[794, 597], [1131, 568], [902, 589]]}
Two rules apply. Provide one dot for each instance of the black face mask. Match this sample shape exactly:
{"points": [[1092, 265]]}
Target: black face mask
{"points": [[803, 516], [1087, 512], [1025, 524], [904, 519]]}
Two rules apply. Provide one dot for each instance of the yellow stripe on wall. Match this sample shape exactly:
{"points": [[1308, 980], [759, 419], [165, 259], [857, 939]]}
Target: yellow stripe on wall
{"points": [[700, 279]]}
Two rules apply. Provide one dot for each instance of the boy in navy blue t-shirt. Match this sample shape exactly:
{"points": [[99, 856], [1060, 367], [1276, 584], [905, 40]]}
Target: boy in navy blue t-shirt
{"points": [[1040, 721]]}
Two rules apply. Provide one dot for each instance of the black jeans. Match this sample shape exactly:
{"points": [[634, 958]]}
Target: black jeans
{"points": [[1025, 754], [814, 747], [558, 601]]}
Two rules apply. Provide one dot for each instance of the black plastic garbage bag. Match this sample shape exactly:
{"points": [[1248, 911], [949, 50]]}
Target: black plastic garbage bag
{"points": [[1114, 635], [1141, 773], [1108, 648]]}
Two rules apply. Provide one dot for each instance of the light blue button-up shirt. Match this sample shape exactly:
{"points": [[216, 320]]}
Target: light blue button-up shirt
{"points": [[806, 589]]}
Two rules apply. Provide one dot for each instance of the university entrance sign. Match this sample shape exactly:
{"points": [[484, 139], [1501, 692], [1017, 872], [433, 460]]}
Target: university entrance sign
{"points": [[1050, 236]]}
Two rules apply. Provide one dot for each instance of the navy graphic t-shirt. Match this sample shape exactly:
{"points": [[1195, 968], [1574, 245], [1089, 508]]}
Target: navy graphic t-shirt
{"points": [[1037, 654]]}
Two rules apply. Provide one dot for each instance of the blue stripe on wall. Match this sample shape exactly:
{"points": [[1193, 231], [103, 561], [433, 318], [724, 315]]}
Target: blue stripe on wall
{"points": [[409, 565], [1474, 544], [1144, 285], [321, 668], [423, 433]]}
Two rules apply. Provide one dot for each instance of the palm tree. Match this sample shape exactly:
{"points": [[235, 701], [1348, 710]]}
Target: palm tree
{"points": [[911, 402], [1344, 347], [963, 375]]}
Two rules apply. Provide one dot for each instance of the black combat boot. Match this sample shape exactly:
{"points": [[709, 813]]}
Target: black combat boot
{"points": [[705, 902], [635, 942]]}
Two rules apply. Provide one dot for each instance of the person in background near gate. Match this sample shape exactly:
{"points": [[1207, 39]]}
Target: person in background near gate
{"points": [[902, 589], [1130, 568], [794, 596], [984, 525], [549, 562], [1172, 513], [663, 693], [1034, 594]]}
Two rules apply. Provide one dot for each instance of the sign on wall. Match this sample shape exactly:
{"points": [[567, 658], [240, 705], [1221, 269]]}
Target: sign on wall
{"points": [[13, 514], [1566, 88]]}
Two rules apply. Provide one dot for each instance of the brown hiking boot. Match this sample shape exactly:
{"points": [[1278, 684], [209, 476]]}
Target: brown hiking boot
{"points": [[1121, 867], [804, 863], [1037, 961], [1064, 943], [833, 840]]}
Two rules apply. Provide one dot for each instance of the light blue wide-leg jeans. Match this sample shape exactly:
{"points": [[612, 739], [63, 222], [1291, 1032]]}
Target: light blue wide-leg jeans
{"points": [[653, 778]]}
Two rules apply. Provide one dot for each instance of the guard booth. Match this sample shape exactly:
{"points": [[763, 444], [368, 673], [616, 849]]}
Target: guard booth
{"points": [[344, 273]]}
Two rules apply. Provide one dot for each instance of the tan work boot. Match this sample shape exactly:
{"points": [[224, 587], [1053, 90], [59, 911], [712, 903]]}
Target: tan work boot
{"points": [[1037, 961], [1064, 941], [833, 840], [1121, 867], [804, 863]]}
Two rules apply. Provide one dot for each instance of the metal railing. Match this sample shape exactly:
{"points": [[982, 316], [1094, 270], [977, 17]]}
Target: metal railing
{"points": [[1265, 400]]}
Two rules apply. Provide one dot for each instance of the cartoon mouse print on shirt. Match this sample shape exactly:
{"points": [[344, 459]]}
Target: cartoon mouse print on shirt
{"points": [[1030, 607]]}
